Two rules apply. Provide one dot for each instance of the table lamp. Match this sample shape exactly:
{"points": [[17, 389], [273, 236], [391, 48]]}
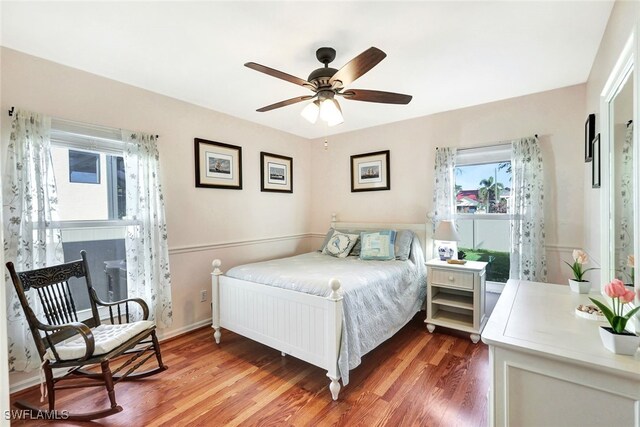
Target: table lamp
{"points": [[448, 237]]}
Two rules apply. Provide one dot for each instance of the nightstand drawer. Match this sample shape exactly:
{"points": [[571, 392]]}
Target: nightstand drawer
{"points": [[457, 279]]}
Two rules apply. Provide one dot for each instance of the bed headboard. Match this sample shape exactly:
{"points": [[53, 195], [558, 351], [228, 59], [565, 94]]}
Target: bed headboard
{"points": [[423, 230]]}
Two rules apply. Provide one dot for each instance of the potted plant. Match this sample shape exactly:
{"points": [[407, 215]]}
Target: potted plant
{"points": [[616, 338], [578, 284]]}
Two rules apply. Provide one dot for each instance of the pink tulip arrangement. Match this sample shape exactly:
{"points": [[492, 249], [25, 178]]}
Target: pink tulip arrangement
{"points": [[619, 297], [580, 258]]}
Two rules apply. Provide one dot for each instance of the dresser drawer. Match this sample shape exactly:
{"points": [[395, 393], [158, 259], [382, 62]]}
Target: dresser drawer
{"points": [[456, 279]]}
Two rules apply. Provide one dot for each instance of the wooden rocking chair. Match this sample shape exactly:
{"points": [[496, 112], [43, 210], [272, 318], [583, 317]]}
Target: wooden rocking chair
{"points": [[65, 342]]}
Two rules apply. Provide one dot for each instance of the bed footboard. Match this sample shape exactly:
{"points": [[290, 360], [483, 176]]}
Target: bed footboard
{"points": [[305, 326]]}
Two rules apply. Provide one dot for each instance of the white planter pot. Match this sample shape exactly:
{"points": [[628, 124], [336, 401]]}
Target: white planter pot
{"points": [[619, 344], [580, 287]]}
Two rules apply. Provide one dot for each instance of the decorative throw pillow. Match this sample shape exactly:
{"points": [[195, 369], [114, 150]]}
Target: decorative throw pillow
{"points": [[340, 244], [403, 244], [326, 239], [378, 245]]}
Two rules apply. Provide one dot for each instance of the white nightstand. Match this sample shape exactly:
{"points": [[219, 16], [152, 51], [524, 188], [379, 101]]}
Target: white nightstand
{"points": [[456, 296]]}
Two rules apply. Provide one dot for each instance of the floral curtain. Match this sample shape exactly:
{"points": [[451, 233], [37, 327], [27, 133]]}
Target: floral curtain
{"points": [[148, 275], [625, 216], [444, 203], [528, 259], [29, 205]]}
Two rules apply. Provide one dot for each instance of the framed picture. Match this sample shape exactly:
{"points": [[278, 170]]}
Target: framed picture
{"points": [[589, 134], [595, 163], [370, 172], [276, 173], [218, 165]]}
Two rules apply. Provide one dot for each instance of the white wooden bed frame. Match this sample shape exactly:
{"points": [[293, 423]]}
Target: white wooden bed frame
{"points": [[305, 326]]}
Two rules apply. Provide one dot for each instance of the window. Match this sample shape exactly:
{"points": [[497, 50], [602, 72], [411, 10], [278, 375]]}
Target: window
{"points": [[482, 184], [92, 217], [84, 167]]}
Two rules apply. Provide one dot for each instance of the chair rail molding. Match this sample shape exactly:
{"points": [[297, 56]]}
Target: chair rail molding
{"points": [[237, 243]]}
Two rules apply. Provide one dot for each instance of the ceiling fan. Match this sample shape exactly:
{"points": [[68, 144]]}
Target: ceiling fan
{"points": [[327, 83]]}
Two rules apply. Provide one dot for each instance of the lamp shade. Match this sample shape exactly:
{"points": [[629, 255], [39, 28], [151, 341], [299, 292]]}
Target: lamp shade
{"points": [[330, 112], [446, 232], [311, 111]]}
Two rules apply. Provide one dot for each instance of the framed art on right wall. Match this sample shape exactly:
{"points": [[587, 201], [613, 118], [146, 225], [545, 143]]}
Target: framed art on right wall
{"points": [[589, 134], [595, 163]]}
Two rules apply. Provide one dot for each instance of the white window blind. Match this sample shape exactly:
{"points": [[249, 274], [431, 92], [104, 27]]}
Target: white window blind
{"points": [[483, 155]]}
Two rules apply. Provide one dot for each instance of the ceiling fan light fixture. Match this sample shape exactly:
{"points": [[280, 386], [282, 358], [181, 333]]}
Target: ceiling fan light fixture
{"points": [[331, 112], [311, 111]]}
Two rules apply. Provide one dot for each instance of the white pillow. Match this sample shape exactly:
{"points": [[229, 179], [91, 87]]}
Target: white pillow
{"points": [[340, 244]]}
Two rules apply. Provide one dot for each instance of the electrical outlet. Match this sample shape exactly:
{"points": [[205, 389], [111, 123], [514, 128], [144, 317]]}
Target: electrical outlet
{"points": [[203, 295]]}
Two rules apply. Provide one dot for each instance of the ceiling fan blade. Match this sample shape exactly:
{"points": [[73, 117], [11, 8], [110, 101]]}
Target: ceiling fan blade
{"points": [[376, 96], [279, 74], [358, 66], [284, 103]]}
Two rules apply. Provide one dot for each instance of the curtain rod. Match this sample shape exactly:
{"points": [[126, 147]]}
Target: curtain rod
{"points": [[12, 109]]}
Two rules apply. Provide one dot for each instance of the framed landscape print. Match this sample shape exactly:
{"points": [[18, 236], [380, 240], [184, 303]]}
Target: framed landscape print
{"points": [[370, 172], [276, 173], [218, 165]]}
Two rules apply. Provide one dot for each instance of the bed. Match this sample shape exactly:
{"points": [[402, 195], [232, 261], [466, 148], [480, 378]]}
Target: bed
{"points": [[326, 311]]}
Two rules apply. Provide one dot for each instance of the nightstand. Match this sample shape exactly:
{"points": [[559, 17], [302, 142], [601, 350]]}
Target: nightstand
{"points": [[456, 296]]}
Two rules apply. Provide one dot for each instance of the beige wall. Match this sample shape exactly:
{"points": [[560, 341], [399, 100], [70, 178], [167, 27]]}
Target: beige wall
{"points": [[235, 226], [557, 116], [624, 17]]}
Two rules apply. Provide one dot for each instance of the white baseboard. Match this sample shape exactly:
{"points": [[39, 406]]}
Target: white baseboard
{"points": [[180, 331], [34, 379]]}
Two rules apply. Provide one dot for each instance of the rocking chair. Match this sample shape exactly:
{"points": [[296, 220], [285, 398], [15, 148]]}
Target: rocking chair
{"points": [[65, 342]]}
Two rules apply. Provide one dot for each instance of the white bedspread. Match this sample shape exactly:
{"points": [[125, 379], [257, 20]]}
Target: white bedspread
{"points": [[380, 297]]}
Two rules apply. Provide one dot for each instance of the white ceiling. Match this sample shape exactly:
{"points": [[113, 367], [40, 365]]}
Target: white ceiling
{"points": [[447, 55]]}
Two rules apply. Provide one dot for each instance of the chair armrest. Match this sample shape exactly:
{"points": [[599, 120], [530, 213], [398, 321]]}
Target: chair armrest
{"points": [[140, 301], [80, 328]]}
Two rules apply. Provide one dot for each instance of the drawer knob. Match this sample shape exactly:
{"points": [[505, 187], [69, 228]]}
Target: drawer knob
{"points": [[451, 278]]}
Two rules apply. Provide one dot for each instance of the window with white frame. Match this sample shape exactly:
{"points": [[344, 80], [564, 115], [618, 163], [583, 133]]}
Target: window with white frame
{"points": [[92, 203], [483, 189]]}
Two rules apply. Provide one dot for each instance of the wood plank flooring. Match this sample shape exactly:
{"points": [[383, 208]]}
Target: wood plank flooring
{"points": [[413, 379]]}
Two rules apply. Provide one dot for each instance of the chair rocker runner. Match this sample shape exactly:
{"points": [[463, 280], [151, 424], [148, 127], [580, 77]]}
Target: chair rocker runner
{"points": [[65, 342]]}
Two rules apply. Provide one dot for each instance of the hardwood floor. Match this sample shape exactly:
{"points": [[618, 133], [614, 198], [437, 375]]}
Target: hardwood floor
{"points": [[414, 378]]}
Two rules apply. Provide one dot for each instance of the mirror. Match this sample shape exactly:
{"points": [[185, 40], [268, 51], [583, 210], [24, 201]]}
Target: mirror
{"points": [[620, 173], [621, 184]]}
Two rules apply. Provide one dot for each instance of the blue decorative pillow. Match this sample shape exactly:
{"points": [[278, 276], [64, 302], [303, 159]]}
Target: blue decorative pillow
{"points": [[378, 245], [340, 244], [403, 244]]}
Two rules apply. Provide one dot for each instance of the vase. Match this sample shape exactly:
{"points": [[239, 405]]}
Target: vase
{"points": [[580, 287], [625, 343]]}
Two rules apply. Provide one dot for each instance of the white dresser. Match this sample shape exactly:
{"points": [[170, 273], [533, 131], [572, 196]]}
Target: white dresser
{"points": [[548, 366]]}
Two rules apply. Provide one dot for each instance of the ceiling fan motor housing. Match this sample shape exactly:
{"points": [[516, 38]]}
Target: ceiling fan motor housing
{"points": [[322, 75]]}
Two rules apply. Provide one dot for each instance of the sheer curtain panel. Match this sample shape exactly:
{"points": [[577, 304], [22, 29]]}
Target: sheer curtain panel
{"points": [[528, 259], [29, 205], [148, 275], [444, 201]]}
